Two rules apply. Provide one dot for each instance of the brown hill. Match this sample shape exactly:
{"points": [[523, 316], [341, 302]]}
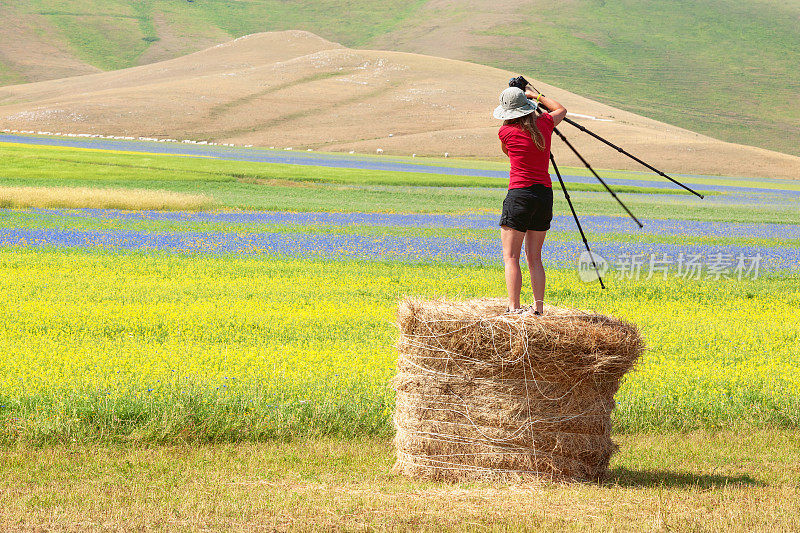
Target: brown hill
{"points": [[27, 56], [294, 89]]}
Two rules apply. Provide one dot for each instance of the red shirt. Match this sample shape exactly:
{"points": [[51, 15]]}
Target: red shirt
{"points": [[529, 165]]}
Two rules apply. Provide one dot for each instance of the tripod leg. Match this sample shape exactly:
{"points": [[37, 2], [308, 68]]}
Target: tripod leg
{"points": [[577, 222], [620, 150], [587, 165]]}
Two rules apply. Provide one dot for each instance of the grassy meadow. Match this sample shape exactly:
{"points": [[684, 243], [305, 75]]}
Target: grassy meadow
{"points": [[697, 481], [70, 166], [160, 388], [258, 186], [158, 346]]}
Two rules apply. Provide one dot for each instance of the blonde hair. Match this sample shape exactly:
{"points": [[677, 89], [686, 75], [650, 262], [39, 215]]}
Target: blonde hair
{"points": [[528, 123]]}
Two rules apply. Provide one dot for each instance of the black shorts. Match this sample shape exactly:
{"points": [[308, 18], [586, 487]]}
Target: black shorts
{"points": [[528, 208]]}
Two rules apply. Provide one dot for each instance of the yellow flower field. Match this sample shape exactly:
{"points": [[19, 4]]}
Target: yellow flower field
{"points": [[159, 347]]}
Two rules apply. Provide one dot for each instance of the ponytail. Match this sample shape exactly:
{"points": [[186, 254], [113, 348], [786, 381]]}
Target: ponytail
{"points": [[528, 123]]}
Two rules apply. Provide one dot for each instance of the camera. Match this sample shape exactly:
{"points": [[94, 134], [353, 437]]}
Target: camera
{"points": [[519, 82]]}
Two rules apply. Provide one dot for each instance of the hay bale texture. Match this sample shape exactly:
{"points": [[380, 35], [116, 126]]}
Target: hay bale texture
{"points": [[486, 395]]}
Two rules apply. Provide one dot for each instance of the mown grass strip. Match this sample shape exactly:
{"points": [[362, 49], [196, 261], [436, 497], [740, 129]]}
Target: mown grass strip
{"points": [[740, 479]]}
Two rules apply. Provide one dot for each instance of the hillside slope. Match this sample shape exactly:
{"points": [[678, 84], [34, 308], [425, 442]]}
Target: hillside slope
{"points": [[295, 89], [726, 68]]}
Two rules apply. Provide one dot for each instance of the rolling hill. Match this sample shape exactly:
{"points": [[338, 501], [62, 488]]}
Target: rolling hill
{"points": [[725, 68], [295, 89]]}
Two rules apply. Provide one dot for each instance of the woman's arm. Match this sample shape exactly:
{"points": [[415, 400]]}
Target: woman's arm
{"points": [[503, 147], [556, 110]]}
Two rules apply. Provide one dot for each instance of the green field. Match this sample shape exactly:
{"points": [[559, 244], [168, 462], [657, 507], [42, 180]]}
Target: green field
{"points": [[723, 68], [30, 165], [242, 185], [246, 346], [197, 390]]}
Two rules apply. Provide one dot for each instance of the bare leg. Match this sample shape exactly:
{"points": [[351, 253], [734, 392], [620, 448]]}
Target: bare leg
{"points": [[512, 245], [533, 254]]}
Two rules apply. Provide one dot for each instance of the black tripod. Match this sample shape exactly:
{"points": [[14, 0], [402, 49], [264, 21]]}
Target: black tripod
{"points": [[587, 165], [577, 222], [622, 151], [522, 83]]}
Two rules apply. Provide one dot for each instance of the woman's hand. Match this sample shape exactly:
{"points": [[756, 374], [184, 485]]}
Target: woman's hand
{"points": [[556, 110]]}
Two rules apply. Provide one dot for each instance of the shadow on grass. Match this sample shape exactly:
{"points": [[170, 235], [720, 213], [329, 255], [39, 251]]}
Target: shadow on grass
{"points": [[625, 477]]}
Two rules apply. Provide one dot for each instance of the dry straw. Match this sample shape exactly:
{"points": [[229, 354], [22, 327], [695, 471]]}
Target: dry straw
{"points": [[486, 395], [80, 197]]}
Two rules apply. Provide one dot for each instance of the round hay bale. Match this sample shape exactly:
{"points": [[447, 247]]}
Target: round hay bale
{"points": [[486, 395]]}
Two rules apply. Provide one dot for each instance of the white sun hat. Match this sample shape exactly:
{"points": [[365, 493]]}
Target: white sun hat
{"points": [[513, 104]]}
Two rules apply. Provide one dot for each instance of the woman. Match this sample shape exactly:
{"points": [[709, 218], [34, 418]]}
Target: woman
{"points": [[528, 207]]}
